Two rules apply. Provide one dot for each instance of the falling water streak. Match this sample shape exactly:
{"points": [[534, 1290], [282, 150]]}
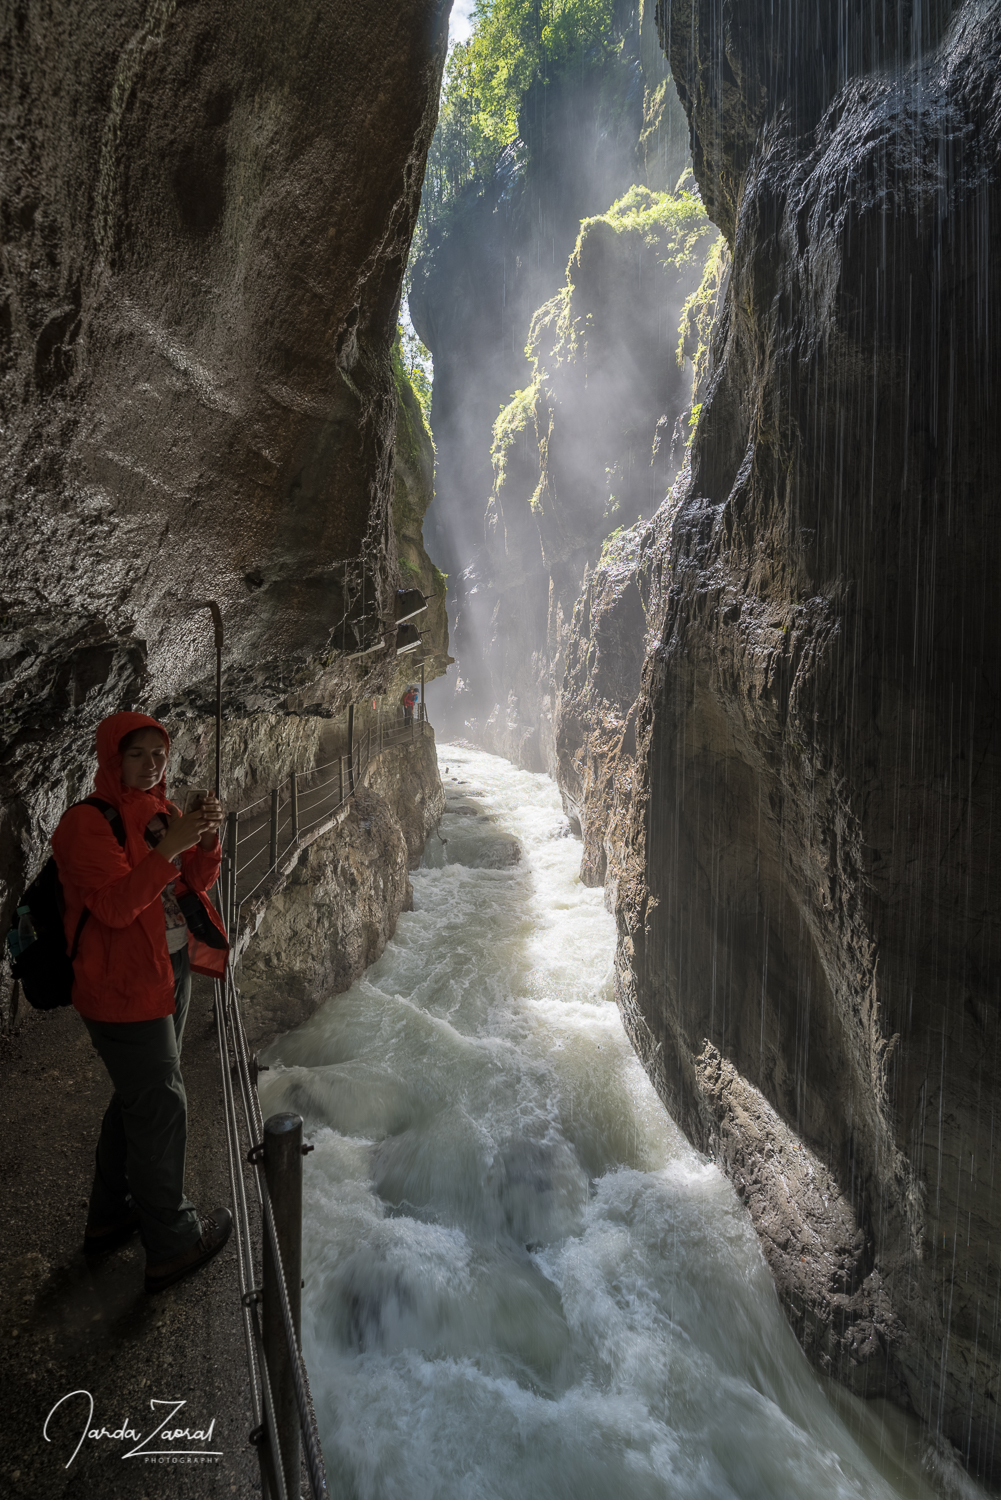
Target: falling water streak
{"points": [[520, 1279]]}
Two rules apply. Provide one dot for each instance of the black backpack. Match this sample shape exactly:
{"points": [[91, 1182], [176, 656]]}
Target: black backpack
{"points": [[45, 969]]}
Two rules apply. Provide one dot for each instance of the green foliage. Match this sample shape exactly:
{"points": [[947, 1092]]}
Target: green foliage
{"points": [[514, 44], [516, 421], [673, 224], [415, 362], [699, 314], [512, 423]]}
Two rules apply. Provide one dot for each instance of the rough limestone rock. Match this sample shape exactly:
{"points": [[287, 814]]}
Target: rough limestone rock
{"points": [[340, 905], [485, 274], [806, 883], [587, 446], [206, 215]]}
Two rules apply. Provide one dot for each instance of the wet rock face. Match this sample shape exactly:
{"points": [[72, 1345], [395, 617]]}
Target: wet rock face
{"points": [[207, 211], [341, 904], [807, 891]]}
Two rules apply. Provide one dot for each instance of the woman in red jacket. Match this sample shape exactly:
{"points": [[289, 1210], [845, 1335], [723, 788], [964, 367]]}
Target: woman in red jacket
{"points": [[149, 924]]}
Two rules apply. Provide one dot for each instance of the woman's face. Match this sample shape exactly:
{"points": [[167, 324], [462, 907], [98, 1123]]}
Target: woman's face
{"points": [[144, 760]]}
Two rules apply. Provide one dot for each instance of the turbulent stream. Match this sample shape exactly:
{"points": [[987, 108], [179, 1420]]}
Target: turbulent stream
{"points": [[521, 1281]]}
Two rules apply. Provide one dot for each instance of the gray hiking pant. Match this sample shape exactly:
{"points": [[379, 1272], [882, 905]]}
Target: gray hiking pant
{"points": [[140, 1151]]}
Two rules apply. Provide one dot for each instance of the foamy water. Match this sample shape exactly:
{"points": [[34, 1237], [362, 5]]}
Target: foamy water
{"points": [[521, 1280]]}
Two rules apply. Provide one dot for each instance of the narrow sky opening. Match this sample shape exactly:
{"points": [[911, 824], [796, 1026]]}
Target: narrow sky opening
{"points": [[460, 25]]}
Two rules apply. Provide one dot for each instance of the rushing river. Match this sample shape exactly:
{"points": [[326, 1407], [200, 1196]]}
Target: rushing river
{"points": [[521, 1281]]}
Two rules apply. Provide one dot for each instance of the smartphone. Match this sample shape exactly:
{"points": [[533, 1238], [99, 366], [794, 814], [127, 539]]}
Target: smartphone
{"points": [[194, 796]]}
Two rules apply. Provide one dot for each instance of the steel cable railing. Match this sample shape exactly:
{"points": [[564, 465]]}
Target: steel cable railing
{"points": [[233, 1033], [235, 1061], [260, 1383], [257, 855]]}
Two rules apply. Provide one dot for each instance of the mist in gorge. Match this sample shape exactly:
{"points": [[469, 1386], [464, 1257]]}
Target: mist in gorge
{"points": [[559, 241]]}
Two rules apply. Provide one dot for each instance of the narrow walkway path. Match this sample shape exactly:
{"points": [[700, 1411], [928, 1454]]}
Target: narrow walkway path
{"points": [[70, 1326], [66, 1325]]}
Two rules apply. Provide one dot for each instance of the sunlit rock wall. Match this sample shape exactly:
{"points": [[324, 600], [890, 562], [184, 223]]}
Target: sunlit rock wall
{"points": [[807, 889], [489, 266], [206, 215], [586, 448]]}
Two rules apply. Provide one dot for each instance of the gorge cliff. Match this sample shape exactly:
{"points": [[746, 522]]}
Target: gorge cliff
{"points": [[556, 386], [780, 719], [206, 217]]}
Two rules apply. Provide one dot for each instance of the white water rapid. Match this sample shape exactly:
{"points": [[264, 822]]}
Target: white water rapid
{"points": [[522, 1283]]}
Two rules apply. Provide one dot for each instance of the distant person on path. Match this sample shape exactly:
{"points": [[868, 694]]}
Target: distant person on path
{"points": [[409, 699], [149, 924]]}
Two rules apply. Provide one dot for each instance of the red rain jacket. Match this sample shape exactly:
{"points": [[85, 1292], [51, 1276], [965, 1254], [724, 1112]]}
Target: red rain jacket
{"points": [[122, 970]]}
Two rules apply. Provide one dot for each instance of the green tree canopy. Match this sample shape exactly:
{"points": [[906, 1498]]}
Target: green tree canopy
{"points": [[514, 44]]}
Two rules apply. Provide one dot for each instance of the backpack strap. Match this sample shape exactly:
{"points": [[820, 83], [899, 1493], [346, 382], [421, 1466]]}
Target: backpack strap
{"points": [[112, 814], [114, 818]]}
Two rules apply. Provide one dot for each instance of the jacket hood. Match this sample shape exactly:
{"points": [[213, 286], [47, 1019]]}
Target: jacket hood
{"points": [[108, 781]]}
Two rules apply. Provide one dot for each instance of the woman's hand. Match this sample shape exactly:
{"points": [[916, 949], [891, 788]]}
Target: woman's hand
{"points": [[185, 830], [212, 815]]}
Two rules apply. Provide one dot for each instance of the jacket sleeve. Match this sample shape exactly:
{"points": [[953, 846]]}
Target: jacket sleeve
{"points": [[90, 858], [200, 867]]}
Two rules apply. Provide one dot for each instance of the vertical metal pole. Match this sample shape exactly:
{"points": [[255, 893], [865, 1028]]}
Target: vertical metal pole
{"points": [[283, 1174], [231, 825], [217, 627], [351, 740], [273, 855], [424, 713], [294, 797], [340, 778]]}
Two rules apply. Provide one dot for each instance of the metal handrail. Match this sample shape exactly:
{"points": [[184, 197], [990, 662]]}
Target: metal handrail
{"points": [[281, 835], [233, 1042]]}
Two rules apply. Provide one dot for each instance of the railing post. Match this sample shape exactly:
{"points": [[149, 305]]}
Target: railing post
{"points": [[340, 778], [283, 1174], [230, 893], [351, 747], [294, 797], [273, 857]]}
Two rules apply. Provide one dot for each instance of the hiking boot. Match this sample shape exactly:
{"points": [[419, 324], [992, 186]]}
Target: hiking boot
{"points": [[97, 1242], [215, 1232]]}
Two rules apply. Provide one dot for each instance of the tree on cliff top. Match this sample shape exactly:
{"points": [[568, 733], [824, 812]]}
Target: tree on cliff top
{"points": [[514, 44]]}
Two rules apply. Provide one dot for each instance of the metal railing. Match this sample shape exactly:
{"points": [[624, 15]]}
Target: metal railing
{"points": [[272, 832], [263, 840]]}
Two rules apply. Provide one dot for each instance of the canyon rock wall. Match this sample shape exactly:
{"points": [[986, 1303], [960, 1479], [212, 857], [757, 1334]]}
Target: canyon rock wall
{"points": [[340, 905], [589, 445], [488, 281], [803, 848], [206, 216]]}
